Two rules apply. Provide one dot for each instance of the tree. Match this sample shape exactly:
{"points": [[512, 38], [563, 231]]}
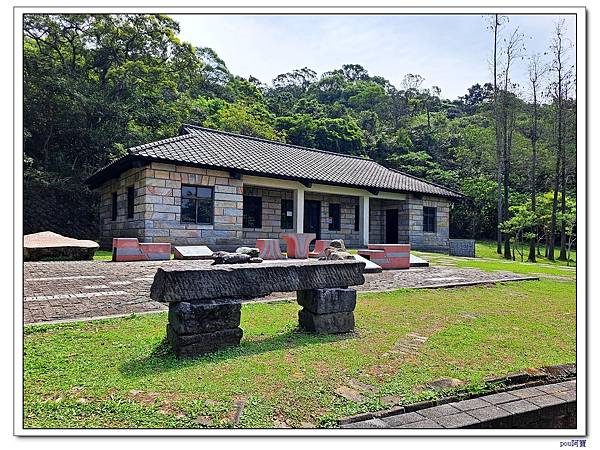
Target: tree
{"points": [[536, 72], [513, 50]]}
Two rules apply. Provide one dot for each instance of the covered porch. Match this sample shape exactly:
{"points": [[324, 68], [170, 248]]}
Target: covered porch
{"points": [[359, 217]]}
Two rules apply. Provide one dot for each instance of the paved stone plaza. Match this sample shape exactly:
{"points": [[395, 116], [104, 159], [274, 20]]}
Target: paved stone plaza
{"points": [[71, 290]]}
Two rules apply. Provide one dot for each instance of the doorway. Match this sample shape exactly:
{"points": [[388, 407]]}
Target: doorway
{"points": [[391, 226], [312, 217]]}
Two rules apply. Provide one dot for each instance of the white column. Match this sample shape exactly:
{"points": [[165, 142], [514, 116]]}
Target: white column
{"points": [[299, 209], [364, 218]]}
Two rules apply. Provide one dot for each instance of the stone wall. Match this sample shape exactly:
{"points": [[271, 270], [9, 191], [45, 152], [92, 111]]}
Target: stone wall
{"points": [[271, 214], [462, 247], [420, 240], [157, 210], [347, 204], [377, 220]]}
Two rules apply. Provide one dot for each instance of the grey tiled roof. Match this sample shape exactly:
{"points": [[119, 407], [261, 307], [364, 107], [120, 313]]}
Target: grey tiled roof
{"points": [[211, 148]]}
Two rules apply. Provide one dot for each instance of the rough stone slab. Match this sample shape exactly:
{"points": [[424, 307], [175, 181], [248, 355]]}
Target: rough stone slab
{"points": [[327, 301], [192, 252], [38, 246], [191, 345], [196, 318], [342, 322], [253, 280]]}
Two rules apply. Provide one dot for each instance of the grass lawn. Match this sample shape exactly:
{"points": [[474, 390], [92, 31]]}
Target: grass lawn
{"points": [[120, 373]]}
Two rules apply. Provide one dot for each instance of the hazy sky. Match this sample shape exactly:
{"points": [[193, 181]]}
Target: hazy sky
{"points": [[452, 52]]}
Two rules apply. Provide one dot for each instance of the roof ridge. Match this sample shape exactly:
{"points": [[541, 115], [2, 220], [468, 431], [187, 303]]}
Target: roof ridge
{"points": [[423, 180], [135, 149], [254, 138]]}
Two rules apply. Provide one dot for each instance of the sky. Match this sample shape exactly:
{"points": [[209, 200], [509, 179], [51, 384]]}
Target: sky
{"points": [[449, 51]]}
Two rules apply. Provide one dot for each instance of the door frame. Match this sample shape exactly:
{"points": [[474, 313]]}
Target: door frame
{"points": [[317, 208], [388, 229]]}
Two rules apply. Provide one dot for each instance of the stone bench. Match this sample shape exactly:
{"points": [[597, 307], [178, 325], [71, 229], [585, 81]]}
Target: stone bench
{"points": [[269, 249], [205, 303], [298, 244], [388, 256]]}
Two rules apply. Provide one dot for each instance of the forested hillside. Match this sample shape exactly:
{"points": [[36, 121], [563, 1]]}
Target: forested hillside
{"points": [[96, 85]]}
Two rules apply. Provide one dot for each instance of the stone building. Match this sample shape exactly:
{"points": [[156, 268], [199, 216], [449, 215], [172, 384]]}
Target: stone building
{"points": [[207, 187]]}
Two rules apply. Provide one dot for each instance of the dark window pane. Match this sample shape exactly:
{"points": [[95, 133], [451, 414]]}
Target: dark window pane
{"points": [[287, 214], [197, 204], [429, 219], [252, 217], [204, 192], [356, 217], [188, 191], [130, 201], [334, 217], [188, 210], [114, 206], [205, 211]]}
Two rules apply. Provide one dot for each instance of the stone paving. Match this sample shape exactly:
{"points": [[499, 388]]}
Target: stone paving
{"points": [[71, 290], [520, 408]]}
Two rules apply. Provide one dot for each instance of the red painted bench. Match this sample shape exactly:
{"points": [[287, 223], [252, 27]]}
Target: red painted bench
{"points": [[320, 246], [130, 249], [388, 256], [298, 244], [269, 249]]}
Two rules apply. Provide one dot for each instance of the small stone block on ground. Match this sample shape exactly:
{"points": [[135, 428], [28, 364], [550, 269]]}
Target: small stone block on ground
{"points": [[191, 345], [342, 322], [205, 317], [192, 252], [327, 301]]}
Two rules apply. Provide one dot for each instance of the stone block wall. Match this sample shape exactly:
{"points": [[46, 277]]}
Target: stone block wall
{"points": [[347, 204], [462, 247], [157, 210], [271, 214], [420, 240], [377, 220]]}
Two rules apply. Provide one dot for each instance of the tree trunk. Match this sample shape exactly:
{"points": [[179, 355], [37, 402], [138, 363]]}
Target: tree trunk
{"points": [[532, 243], [498, 139]]}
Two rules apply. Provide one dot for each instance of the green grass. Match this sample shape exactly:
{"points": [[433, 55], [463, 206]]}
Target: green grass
{"points": [[102, 255], [120, 373]]}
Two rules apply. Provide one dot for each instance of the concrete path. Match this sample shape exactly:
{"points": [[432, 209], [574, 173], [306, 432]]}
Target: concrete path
{"points": [[78, 290]]}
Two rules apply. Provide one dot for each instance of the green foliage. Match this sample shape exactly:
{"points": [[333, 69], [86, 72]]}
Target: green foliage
{"points": [[95, 85]]}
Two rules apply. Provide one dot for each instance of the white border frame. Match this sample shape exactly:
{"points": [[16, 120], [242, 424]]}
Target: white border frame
{"points": [[228, 8]]}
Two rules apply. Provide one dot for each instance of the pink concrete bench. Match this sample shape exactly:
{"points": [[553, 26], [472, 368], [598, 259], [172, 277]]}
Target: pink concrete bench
{"points": [[298, 244], [320, 246], [269, 249], [388, 256], [130, 249]]}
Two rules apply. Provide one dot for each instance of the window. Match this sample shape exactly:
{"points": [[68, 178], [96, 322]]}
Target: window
{"points": [[334, 217], [252, 212], [356, 217], [114, 206], [287, 214], [130, 200], [197, 204], [429, 221]]}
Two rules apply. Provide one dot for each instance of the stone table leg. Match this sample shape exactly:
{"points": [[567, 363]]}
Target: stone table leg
{"points": [[327, 311], [196, 328]]}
